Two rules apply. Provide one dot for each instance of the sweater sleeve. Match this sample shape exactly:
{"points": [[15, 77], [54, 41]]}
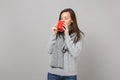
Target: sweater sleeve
{"points": [[74, 48], [51, 43]]}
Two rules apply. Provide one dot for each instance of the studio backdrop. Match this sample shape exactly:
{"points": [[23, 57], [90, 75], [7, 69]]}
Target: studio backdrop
{"points": [[25, 27]]}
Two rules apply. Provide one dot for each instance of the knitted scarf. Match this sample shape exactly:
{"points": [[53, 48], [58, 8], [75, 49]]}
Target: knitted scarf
{"points": [[59, 51]]}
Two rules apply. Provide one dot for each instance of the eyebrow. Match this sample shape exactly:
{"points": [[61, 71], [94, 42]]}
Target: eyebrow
{"points": [[64, 17]]}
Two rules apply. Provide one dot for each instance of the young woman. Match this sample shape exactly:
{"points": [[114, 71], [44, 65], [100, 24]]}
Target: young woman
{"points": [[64, 47]]}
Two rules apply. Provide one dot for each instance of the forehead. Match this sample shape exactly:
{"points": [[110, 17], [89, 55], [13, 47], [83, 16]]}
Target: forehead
{"points": [[65, 14]]}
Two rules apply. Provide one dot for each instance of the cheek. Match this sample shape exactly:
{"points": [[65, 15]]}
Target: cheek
{"points": [[68, 22]]}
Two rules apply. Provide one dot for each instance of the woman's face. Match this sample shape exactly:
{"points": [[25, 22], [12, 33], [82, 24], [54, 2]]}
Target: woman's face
{"points": [[65, 16]]}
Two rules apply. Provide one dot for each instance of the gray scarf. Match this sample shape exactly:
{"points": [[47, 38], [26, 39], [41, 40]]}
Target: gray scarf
{"points": [[58, 52]]}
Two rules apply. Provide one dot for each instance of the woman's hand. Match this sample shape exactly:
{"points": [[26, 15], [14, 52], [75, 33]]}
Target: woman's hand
{"points": [[66, 29], [54, 29]]}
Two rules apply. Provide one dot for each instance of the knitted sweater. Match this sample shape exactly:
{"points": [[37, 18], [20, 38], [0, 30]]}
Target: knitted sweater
{"points": [[70, 67]]}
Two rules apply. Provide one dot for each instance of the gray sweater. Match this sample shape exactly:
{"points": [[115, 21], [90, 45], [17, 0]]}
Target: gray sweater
{"points": [[70, 67]]}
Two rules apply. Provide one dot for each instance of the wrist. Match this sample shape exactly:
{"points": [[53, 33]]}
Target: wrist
{"points": [[66, 33]]}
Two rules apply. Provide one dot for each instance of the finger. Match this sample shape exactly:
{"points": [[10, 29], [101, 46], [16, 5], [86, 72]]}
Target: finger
{"points": [[55, 29], [63, 28], [54, 26], [65, 25]]}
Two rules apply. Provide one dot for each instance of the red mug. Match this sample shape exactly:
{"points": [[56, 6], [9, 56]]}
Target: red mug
{"points": [[60, 26]]}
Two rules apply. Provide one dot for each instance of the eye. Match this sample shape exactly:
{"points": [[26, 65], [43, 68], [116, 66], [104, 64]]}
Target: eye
{"points": [[66, 18]]}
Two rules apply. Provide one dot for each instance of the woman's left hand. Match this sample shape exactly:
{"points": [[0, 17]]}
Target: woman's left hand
{"points": [[66, 29]]}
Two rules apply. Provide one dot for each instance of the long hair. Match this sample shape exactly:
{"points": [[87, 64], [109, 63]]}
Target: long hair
{"points": [[74, 25]]}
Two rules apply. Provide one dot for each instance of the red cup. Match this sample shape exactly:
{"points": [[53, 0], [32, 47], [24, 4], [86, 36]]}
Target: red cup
{"points": [[60, 26]]}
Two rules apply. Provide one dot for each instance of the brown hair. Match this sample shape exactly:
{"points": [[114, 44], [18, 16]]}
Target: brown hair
{"points": [[74, 25]]}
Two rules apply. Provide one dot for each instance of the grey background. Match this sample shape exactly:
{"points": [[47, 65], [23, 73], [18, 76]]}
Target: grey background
{"points": [[25, 26]]}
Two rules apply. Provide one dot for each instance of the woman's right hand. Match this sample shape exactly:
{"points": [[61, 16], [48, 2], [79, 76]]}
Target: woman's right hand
{"points": [[54, 29]]}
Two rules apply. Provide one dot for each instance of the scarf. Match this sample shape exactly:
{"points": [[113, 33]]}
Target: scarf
{"points": [[60, 49]]}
